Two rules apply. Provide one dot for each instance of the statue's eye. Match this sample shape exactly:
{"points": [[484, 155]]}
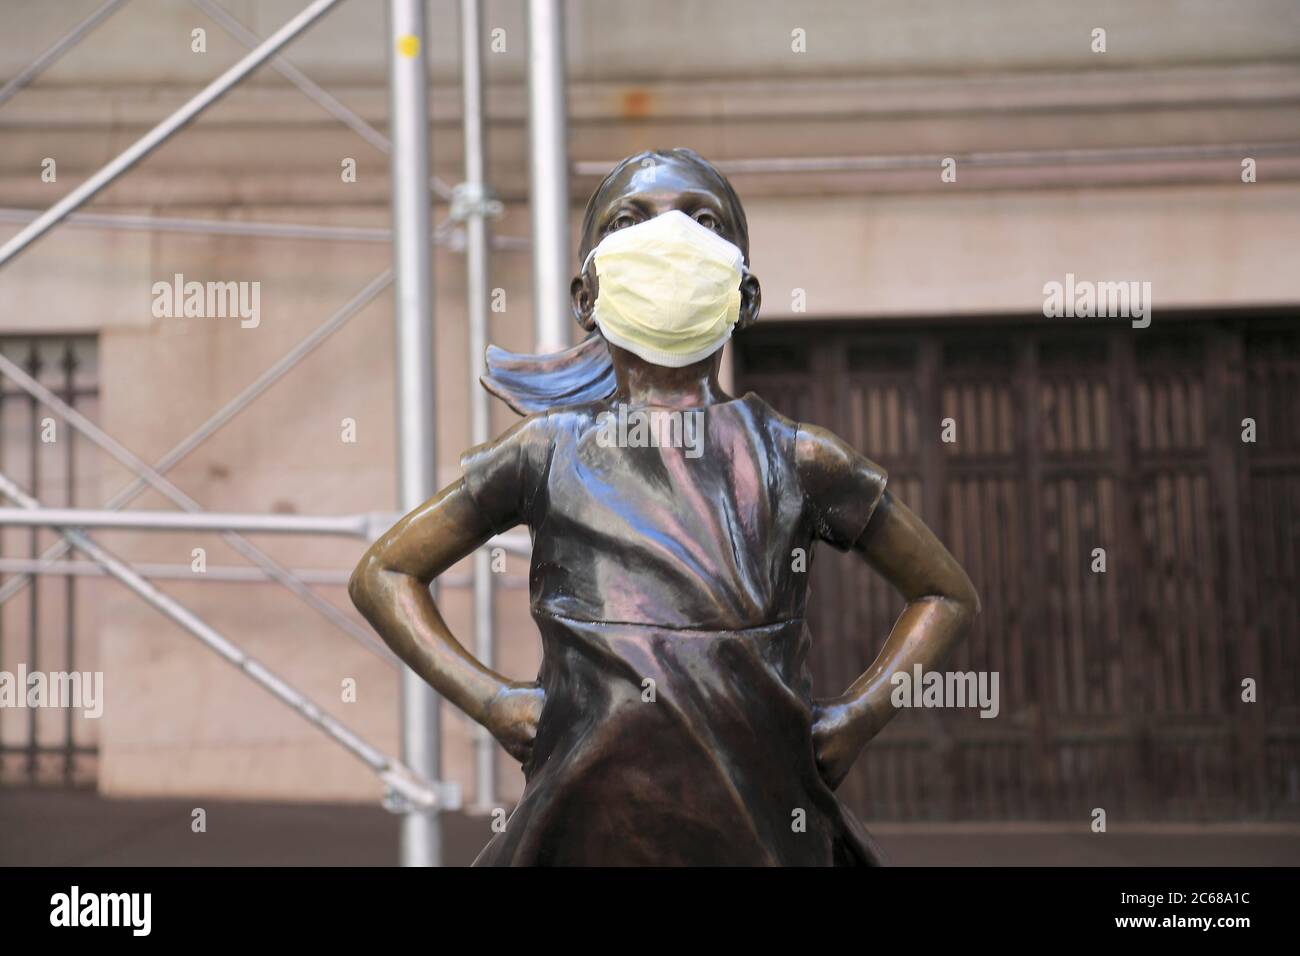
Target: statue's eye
{"points": [[621, 221], [708, 220]]}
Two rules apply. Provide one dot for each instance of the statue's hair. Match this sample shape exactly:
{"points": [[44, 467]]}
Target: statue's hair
{"points": [[585, 372], [684, 157]]}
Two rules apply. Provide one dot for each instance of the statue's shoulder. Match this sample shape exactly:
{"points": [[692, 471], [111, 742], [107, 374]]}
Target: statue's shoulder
{"points": [[783, 430], [756, 404]]}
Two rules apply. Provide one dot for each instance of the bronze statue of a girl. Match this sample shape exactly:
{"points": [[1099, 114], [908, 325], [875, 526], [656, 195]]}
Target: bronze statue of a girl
{"points": [[673, 720]]}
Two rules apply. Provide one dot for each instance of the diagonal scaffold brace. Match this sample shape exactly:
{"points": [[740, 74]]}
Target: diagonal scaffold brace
{"points": [[151, 140], [404, 788]]}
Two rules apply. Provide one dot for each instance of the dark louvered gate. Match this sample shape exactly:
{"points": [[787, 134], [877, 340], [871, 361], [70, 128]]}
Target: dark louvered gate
{"points": [[1123, 689]]}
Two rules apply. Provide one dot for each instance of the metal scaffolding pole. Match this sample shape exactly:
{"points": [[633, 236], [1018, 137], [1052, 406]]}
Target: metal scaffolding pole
{"points": [[207, 227], [228, 411], [310, 88], [444, 234], [156, 136], [417, 449], [405, 783], [60, 47], [239, 544], [367, 526], [215, 574], [548, 173], [474, 209]]}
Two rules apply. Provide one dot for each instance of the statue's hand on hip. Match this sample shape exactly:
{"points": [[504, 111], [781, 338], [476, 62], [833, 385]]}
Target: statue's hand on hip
{"points": [[839, 734], [512, 718]]}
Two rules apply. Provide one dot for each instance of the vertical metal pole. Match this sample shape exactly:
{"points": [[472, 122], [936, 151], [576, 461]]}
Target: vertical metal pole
{"points": [[548, 173], [69, 585], [34, 366], [476, 197], [417, 477]]}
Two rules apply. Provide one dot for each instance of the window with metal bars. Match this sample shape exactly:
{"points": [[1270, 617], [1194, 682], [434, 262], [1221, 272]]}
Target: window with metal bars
{"points": [[43, 628]]}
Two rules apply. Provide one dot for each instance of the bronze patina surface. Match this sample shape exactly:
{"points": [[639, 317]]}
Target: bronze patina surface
{"points": [[673, 720]]}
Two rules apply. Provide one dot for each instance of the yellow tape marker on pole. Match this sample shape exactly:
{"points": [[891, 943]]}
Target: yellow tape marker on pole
{"points": [[408, 45]]}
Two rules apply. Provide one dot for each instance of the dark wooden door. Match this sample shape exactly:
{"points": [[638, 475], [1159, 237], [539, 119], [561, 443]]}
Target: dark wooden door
{"points": [[1119, 689]]}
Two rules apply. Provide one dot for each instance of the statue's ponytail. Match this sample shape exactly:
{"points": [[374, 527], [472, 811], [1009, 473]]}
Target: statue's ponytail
{"points": [[535, 383]]}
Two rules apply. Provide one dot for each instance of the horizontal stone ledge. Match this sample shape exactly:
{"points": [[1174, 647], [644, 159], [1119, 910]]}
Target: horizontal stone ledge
{"points": [[268, 99], [177, 191]]}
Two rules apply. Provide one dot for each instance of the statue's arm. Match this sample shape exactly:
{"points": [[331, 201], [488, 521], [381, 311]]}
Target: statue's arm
{"points": [[390, 587], [941, 601]]}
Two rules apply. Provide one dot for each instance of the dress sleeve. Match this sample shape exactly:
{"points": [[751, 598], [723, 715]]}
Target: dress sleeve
{"points": [[503, 476], [841, 487]]}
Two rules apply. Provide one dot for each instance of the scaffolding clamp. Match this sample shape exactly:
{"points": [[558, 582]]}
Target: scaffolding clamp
{"points": [[474, 199], [404, 794]]}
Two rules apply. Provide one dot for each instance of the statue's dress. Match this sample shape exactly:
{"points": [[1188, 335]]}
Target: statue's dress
{"points": [[669, 585]]}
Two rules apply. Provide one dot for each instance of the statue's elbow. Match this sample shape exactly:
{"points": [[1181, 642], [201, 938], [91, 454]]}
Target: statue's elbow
{"points": [[361, 585]]}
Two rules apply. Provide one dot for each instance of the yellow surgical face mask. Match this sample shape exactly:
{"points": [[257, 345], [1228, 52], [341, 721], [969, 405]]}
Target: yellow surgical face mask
{"points": [[669, 289]]}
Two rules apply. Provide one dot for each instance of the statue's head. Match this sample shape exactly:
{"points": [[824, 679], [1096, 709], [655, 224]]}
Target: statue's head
{"points": [[637, 190], [649, 184]]}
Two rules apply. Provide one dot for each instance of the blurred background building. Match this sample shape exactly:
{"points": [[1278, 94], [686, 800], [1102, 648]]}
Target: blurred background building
{"points": [[893, 298]]}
